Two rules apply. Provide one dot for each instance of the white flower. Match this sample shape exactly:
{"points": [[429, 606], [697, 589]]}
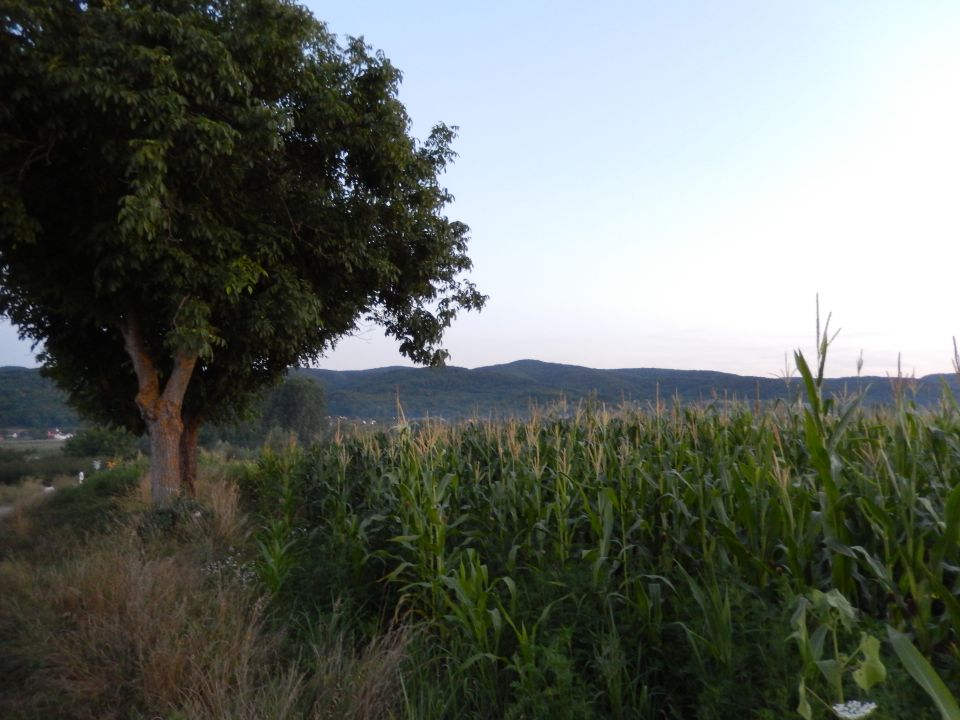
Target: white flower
{"points": [[854, 710]]}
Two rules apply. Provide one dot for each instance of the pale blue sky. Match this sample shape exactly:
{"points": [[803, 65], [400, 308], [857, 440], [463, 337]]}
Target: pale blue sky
{"points": [[669, 184]]}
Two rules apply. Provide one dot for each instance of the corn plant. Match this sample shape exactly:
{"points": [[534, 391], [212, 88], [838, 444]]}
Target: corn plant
{"points": [[668, 542]]}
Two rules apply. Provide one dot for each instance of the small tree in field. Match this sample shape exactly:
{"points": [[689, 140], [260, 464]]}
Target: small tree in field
{"points": [[196, 195], [295, 405]]}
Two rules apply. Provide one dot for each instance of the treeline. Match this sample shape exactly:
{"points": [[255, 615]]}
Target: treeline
{"points": [[29, 400], [295, 407], [511, 390]]}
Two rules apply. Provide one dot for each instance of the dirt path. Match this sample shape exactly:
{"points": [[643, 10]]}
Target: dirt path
{"points": [[5, 510]]}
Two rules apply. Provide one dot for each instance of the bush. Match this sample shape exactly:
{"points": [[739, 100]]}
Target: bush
{"points": [[15, 466], [99, 441]]}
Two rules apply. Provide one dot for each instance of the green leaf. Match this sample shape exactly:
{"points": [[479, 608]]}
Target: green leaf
{"points": [[833, 672], [871, 670], [837, 432], [813, 396], [474, 659], [817, 640], [845, 611], [924, 674], [803, 706], [951, 533]]}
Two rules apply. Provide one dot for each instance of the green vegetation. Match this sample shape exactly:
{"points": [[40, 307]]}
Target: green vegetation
{"points": [[709, 561], [200, 194], [97, 441], [42, 461], [28, 400], [295, 407], [634, 565], [509, 390], [108, 612]]}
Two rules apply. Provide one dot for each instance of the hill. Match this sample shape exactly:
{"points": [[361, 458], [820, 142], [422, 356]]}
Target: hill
{"points": [[512, 389], [28, 400]]}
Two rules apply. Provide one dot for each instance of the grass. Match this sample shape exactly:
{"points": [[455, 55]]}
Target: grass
{"points": [[107, 613], [33, 447], [37, 459]]}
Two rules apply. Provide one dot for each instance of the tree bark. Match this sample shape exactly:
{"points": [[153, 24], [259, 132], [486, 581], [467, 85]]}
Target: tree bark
{"points": [[188, 455], [165, 431], [161, 410]]}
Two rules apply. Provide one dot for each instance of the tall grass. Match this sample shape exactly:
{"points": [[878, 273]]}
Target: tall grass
{"points": [[137, 618]]}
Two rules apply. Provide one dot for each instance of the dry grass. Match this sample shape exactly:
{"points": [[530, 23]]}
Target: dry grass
{"points": [[140, 498], [26, 492], [223, 499], [124, 627], [21, 499], [360, 685], [139, 633]]}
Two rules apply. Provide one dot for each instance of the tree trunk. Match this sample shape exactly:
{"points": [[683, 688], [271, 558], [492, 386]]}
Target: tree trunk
{"points": [[161, 410], [166, 433], [188, 455]]}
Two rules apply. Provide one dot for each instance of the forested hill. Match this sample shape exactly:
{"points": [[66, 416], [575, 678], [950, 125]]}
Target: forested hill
{"points": [[29, 400], [513, 388]]}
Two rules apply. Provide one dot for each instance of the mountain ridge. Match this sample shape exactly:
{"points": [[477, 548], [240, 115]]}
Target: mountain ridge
{"points": [[512, 388], [509, 389]]}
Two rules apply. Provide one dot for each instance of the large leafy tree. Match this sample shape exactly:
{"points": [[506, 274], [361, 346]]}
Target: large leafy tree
{"points": [[196, 195]]}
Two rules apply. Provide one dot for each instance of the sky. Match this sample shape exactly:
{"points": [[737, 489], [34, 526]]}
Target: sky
{"points": [[672, 184]]}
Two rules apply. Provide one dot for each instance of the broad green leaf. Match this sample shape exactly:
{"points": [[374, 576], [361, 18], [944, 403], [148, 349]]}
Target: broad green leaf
{"points": [[871, 670], [813, 397], [816, 642], [474, 659], [924, 674], [838, 602], [833, 673]]}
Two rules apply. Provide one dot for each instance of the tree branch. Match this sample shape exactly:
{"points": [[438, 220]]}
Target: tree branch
{"points": [[148, 379], [176, 386]]}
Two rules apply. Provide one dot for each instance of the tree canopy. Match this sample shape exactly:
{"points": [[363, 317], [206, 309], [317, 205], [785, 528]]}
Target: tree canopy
{"points": [[196, 195]]}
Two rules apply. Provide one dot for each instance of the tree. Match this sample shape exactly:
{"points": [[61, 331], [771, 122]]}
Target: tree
{"points": [[295, 405], [196, 195]]}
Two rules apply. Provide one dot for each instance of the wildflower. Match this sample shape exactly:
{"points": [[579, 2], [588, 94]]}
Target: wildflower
{"points": [[854, 710], [230, 567]]}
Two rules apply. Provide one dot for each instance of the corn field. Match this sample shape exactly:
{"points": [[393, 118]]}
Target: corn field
{"points": [[664, 562]]}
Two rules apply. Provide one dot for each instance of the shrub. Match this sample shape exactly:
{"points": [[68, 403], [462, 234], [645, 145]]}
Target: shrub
{"points": [[98, 441]]}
